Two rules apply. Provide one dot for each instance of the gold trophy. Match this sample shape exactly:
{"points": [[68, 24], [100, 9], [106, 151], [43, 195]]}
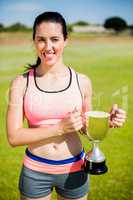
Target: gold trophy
{"points": [[96, 131]]}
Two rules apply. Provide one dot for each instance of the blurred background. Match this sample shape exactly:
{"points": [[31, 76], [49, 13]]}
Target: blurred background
{"points": [[100, 46]]}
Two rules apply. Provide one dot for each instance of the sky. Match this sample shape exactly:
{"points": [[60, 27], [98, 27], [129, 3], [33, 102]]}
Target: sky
{"points": [[91, 11]]}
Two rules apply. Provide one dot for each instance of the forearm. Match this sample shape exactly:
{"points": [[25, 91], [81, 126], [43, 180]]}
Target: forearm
{"points": [[26, 136]]}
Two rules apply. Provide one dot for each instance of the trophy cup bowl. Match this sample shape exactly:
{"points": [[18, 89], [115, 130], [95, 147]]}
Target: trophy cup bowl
{"points": [[96, 131]]}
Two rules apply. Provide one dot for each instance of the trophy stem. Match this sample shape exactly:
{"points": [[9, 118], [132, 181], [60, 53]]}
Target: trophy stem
{"points": [[95, 160], [95, 143]]}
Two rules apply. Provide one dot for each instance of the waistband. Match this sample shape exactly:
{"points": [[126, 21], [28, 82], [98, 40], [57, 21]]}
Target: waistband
{"points": [[40, 164], [55, 162]]}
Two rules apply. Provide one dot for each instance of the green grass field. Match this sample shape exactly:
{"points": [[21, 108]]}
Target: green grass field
{"points": [[109, 63]]}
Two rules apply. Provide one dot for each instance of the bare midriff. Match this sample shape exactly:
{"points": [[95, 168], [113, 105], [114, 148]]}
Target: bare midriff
{"points": [[58, 147]]}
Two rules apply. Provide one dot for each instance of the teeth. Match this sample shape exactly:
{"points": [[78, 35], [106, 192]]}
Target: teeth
{"points": [[47, 54]]}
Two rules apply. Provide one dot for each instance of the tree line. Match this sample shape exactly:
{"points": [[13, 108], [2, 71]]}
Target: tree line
{"points": [[14, 27], [113, 23]]}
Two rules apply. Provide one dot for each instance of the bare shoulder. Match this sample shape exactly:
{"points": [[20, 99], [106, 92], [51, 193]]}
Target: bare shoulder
{"points": [[19, 82]]}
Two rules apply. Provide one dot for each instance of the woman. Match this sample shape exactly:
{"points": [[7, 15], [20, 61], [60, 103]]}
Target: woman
{"points": [[53, 98]]}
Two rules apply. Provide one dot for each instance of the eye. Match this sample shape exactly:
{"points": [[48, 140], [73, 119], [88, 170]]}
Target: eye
{"points": [[55, 39], [41, 40]]}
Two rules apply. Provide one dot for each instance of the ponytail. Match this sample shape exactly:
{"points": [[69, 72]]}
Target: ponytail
{"points": [[38, 61]]}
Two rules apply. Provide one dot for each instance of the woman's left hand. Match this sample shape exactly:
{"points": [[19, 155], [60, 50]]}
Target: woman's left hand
{"points": [[117, 117]]}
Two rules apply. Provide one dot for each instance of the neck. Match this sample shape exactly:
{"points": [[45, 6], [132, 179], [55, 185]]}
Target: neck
{"points": [[58, 68]]}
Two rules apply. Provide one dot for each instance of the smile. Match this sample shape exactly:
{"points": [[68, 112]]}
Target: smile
{"points": [[48, 55]]}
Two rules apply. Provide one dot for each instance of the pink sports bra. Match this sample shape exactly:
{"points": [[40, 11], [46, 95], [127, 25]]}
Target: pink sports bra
{"points": [[49, 107]]}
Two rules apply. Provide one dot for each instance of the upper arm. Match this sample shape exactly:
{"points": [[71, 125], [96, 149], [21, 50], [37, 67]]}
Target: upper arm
{"points": [[86, 88], [15, 114]]}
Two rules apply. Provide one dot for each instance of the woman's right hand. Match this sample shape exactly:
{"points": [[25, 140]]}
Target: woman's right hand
{"points": [[71, 123]]}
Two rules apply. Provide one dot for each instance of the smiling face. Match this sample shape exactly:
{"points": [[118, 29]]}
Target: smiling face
{"points": [[49, 42]]}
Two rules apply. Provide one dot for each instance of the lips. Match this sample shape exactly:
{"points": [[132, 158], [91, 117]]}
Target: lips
{"points": [[48, 55]]}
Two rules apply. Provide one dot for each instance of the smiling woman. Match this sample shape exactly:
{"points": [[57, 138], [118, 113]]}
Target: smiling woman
{"points": [[53, 98], [50, 96], [49, 43]]}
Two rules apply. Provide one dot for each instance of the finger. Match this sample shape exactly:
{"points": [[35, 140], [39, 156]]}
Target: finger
{"points": [[120, 116], [74, 120], [118, 124], [113, 111], [76, 116], [75, 128], [79, 122], [114, 108], [78, 127], [84, 116], [75, 110], [85, 122], [121, 111], [118, 120], [68, 115], [73, 116]]}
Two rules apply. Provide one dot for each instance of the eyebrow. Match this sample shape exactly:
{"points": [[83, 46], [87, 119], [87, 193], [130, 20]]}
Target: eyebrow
{"points": [[39, 36]]}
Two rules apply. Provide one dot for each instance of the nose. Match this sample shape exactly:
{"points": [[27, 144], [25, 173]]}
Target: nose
{"points": [[48, 45]]}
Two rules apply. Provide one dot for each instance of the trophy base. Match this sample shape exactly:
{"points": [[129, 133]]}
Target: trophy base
{"points": [[95, 168]]}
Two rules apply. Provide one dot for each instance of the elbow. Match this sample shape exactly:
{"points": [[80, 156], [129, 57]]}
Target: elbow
{"points": [[13, 138], [12, 142]]}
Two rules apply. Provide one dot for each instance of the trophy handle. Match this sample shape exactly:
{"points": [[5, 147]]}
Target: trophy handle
{"points": [[89, 136]]}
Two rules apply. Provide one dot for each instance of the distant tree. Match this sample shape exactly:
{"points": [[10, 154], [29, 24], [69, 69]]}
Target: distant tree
{"points": [[81, 23], [130, 29], [1, 27], [70, 28], [116, 23], [17, 27]]}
